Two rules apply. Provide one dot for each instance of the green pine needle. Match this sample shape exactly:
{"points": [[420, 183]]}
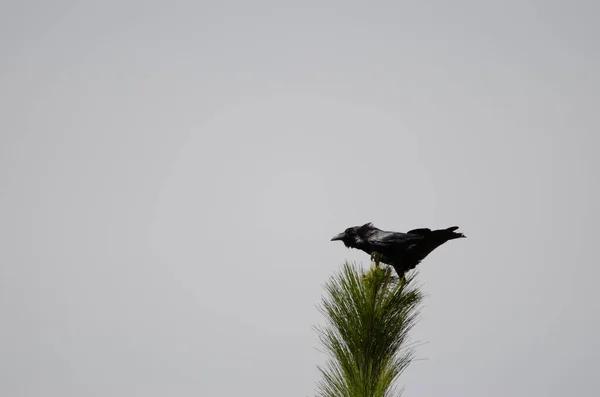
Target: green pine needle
{"points": [[368, 317]]}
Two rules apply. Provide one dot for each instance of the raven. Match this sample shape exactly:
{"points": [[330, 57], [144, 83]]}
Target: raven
{"points": [[403, 251]]}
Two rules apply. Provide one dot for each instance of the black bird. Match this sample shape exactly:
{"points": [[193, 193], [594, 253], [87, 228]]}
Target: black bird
{"points": [[403, 251]]}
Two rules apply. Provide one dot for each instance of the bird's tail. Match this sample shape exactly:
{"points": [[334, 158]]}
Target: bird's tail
{"points": [[449, 233]]}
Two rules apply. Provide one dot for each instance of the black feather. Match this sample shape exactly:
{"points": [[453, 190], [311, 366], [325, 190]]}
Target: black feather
{"points": [[403, 251]]}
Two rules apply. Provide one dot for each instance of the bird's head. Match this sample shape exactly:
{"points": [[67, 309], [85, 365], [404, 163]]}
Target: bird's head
{"points": [[354, 236]]}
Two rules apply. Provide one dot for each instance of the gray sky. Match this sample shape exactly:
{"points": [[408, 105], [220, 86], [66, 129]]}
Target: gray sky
{"points": [[171, 174]]}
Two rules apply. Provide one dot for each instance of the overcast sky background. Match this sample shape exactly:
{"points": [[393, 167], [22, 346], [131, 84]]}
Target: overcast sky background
{"points": [[171, 174]]}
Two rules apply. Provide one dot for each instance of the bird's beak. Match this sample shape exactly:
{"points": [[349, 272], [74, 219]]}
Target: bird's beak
{"points": [[338, 237]]}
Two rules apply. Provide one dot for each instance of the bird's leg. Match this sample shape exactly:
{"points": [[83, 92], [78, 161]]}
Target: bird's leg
{"points": [[376, 257], [403, 278]]}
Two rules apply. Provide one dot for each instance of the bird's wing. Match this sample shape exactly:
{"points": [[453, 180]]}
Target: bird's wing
{"points": [[386, 239], [422, 231]]}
